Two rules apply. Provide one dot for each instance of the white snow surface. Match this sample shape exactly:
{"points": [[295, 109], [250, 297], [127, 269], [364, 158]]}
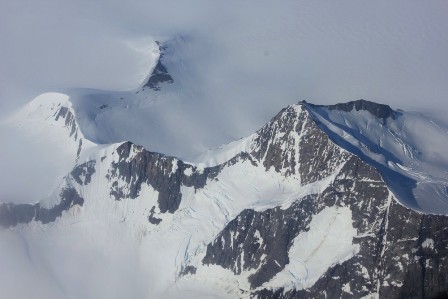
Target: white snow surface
{"points": [[410, 144], [329, 241], [38, 150]]}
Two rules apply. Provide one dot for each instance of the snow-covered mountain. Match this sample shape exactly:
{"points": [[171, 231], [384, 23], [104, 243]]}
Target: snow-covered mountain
{"points": [[347, 200]]}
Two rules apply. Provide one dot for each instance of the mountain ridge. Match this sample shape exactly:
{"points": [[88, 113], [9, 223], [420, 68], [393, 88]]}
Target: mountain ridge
{"points": [[267, 215]]}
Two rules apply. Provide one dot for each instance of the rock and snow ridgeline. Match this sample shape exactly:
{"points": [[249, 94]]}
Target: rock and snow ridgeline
{"points": [[298, 209]]}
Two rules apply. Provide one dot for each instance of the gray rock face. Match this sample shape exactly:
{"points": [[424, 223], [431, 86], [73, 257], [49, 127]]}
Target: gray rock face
{"points": [[259, 240], [414, 263], [402, 253], [160, 73], [271, 233], [381, 111], [165, 174], [410, 261], [69, 119], [292, 142], [83, 173], [12, 214]]}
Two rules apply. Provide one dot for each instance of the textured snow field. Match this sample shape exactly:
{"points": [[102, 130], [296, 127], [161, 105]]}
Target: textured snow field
{"points": [[328, 242], [411, 144]]}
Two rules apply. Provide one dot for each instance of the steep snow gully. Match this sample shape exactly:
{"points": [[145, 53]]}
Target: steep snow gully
{"points": [[323, 201]]}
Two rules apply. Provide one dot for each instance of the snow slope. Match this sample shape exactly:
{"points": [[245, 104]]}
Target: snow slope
{"points": [[408, 148], [42, 142]]}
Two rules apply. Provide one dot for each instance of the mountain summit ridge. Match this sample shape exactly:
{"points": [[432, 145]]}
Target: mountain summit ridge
{"points": [[381, 111], [289, 213]]}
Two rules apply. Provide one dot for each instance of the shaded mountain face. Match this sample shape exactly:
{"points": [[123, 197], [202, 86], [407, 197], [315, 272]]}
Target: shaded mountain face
{"points": [[160, 73], [294, 213], [406, 148]]}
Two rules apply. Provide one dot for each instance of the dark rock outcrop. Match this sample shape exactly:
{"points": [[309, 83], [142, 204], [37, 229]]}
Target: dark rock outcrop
{"points": [[293, 144], [83, 173], [381, 111], [165, 174], [14, 214], [151, 217], [410, 262], [67, 115], [160, 73], [270, 233], [69, 120]]}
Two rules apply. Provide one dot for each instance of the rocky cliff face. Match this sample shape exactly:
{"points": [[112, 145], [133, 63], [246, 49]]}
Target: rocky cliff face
{"points": [[292, 144], [65, 114], [160, 73], [166, 175], [12, 215], [271, 233], [406, 258]]}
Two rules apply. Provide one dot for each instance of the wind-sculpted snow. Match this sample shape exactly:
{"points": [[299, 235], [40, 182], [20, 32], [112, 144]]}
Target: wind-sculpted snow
{"points": [[407, 148]]}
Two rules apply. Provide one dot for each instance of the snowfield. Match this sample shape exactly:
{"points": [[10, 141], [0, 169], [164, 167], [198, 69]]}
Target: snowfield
{"points": [[410, 144]]}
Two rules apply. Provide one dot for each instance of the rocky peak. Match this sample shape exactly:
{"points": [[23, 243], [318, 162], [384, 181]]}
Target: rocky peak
{"points": [[379, 110], [65, 114], [293, 144], [136, 166], [14, 214], [68, 117], [160, 73]]}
